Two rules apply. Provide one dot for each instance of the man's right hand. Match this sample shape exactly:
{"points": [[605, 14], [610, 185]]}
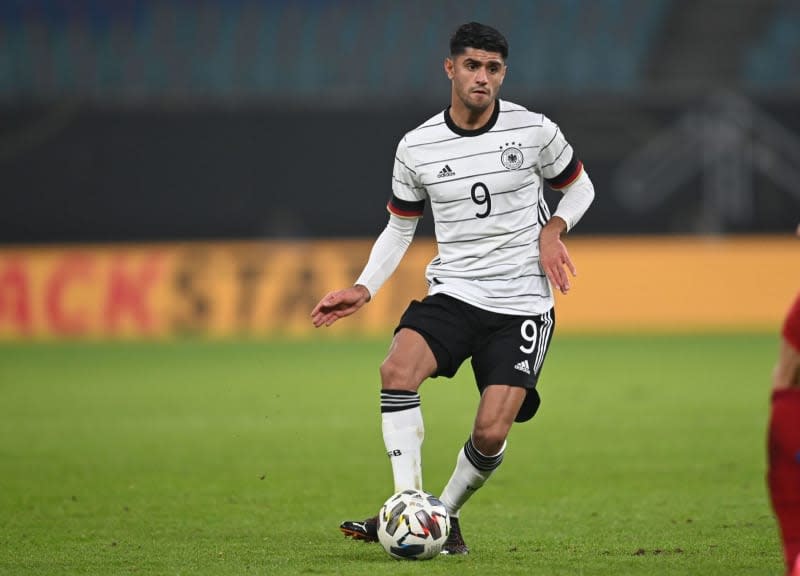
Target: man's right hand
{"points": [[338, 304]]}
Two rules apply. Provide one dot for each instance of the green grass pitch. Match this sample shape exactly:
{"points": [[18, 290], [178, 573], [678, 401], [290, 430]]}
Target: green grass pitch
{"points": [[647, 457]]}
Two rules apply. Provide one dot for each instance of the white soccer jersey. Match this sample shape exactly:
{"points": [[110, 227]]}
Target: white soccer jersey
{"points": [[485, 189]]}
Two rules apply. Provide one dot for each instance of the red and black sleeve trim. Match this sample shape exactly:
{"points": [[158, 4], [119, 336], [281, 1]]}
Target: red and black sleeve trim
{"points": [[406, 208], [568, 174]]}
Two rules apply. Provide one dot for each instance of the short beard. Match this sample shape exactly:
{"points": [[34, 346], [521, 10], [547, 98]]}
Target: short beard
{"points": [[476, 108]]}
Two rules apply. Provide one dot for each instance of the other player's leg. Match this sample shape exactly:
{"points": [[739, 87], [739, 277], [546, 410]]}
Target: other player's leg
{"points": [[784, 468], [783, 474]]}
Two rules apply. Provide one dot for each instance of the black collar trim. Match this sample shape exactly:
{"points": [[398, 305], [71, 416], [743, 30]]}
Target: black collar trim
{"points": [[478, 131]]}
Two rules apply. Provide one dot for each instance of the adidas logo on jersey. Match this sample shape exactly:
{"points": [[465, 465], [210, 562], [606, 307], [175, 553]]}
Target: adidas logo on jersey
{"points": [[445, 172], [523, 367]]}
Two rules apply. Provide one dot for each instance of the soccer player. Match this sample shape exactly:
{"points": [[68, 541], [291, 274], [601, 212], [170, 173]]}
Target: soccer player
{"points": [[783, 474], [481, 165]]}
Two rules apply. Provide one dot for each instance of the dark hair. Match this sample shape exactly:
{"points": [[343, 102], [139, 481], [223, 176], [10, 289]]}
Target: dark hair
{"points": [[480, 36]]}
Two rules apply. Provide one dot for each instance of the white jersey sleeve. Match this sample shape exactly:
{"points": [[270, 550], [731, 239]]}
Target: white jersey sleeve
{"points": [[406, 206], [408, 194], [563, 171], [559, 165], [577, 198], [388, 250]]}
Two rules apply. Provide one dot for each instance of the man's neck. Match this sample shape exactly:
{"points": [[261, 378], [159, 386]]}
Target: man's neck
{"points": [[467, 119]]}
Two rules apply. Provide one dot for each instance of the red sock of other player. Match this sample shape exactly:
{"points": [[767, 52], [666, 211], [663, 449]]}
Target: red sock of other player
{"points": [[784, 468]]}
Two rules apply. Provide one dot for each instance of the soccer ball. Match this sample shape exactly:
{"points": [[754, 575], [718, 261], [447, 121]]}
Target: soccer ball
{"points": [[413, 525]]}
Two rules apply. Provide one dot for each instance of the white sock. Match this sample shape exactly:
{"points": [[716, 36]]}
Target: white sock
{"points": [[403, 433], [472, 471]]}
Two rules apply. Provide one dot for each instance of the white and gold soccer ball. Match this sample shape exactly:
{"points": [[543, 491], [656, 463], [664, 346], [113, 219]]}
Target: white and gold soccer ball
{"points": [[413, 525]]}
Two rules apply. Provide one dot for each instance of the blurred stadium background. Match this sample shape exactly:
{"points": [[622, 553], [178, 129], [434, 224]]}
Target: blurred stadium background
{"points": [[193, 171], [171, 167]]}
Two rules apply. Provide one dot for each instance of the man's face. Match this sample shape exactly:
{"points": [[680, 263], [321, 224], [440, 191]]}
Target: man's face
{"points": [[477, 76]]}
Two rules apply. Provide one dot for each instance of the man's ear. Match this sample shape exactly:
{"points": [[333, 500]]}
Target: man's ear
{"points": [[449, 67]]}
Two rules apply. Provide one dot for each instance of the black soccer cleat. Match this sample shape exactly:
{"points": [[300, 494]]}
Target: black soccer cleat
{"points": [[366, 530], [455, 544]]}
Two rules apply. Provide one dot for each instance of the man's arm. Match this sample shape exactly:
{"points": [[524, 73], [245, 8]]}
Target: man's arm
{"points": [[386, 254], [553, 254], [787, 369]]}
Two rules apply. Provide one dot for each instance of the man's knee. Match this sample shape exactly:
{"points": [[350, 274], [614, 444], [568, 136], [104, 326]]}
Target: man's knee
{"points": [[409, 362], [396, 375]]}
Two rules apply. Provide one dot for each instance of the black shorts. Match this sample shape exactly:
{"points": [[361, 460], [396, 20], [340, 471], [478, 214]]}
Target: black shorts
{"points": [[505, 349]]}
